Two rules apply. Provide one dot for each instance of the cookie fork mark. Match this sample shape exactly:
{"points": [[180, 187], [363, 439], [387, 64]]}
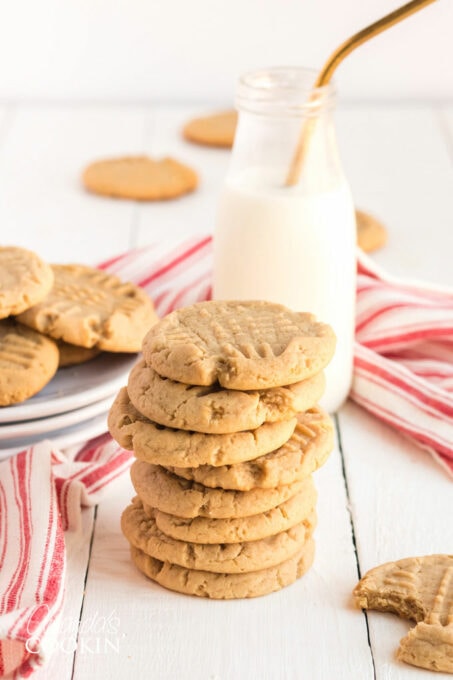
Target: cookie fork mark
{"points": [[442, 611]]}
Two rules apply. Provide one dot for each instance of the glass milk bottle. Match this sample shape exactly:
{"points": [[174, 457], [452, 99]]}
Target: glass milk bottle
{"points": [[289, 244]]}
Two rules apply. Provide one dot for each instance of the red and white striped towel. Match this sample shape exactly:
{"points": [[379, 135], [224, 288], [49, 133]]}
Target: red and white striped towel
{"points": [[403, 374], [41, 494], [403, 363]]}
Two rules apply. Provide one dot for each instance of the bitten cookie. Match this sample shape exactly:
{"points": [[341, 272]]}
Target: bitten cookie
{"points": [[421, 589], [225, 586], [214, 410], [243, 345], [305, 452], [24, 280], [174, 495], [140, 178], [160, 445], [238, 529], [217, 129], [371, 234], [28, 361], [90, 308], [235, 558]]}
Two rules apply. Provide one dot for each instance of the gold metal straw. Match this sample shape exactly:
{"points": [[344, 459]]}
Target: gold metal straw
{"points": [[331, 64]]}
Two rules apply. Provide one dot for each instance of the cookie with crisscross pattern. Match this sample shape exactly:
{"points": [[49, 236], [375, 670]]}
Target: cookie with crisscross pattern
{"points": [[214, 410], [175, 495], [225, 586], [306, 450], [162, 445], [28, 360], [421, 589], [237, 529], [142, 532], [24, 280], [91, 308], [242, 345]]}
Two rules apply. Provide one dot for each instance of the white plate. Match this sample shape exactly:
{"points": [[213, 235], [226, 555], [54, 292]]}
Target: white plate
{"points": [[74, 387], [33, 428], [67, 436]]}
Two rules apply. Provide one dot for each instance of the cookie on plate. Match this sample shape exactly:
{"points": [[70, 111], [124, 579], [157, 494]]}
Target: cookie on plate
{"points": [[90, 308], [421, 589], [167, 446], [305, 452], [28, 361], [237, 529], [249, 345], [141, 531], [159, 488], [24, 280], [213, 410], [371, 234], [225, 586], [71, 355], [140, 178], [216, 129]]}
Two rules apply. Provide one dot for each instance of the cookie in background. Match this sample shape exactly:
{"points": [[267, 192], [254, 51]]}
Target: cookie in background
{"points": [[371, 233], [216, 129], [140, 178]]}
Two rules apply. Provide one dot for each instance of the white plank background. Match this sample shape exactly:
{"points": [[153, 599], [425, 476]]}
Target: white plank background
{"points": [[380, 498]]}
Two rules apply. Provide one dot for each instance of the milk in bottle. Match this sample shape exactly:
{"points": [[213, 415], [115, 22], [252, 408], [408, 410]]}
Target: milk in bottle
{"points": [[293, 245]]}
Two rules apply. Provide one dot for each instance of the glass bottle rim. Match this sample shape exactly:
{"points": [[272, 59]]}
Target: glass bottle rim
{"points": [[283, 90]]}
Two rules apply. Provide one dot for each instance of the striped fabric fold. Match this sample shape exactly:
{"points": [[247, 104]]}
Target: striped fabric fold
{"points": [[41, 494], [403, 374], [32, 560], [403, 363]]}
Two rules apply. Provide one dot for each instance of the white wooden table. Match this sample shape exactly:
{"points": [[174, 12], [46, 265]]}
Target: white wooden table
{"points": [[380, 498]]}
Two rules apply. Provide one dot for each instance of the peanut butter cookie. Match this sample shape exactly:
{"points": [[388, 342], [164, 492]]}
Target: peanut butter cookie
{"points": [[24, 280], [217, 129], [174, 495], [90, 308], [28, 361], [305, 452], [235, 558], [421, 589], [214, 410], [242, 345], [225, 586], [160, 445], [71, 355], [371, 234], [238, 529], [140, 178]]}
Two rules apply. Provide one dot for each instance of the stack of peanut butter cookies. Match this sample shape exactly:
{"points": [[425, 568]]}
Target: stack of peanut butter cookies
{"points": [[222, 415]]}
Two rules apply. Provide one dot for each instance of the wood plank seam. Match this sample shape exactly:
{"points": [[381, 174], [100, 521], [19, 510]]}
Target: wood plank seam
{"points": [[93, 527], [135, 218], [7, 120], [353, 534], [445, 131], [134, 226]]}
